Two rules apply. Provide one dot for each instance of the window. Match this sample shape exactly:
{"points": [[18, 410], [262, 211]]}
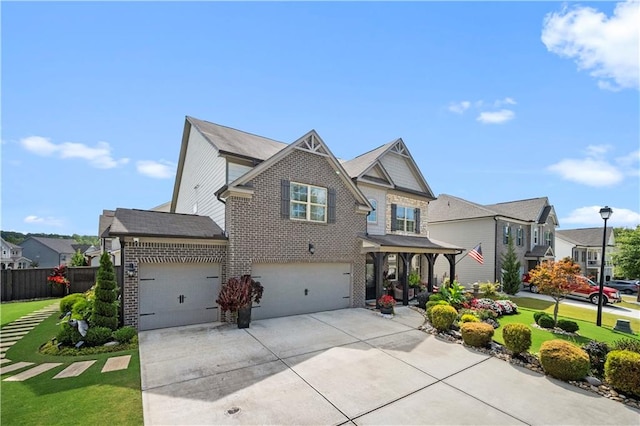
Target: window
{"points": [[584, 256], [520, 237], [308, 203], [506, 232], [535, 236], [548, 238], [405, 219], [373, 215]]}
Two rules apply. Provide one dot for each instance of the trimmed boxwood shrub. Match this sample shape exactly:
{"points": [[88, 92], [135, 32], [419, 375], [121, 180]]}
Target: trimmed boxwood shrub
{"points": [[431, 304], [469, 318], [545, 321], [105, 308], [477, 334], [568, 326], [517, 337], [67, 302], [68, 336], [627, 344], [622, 371], [442, 316], [537, 315], [125, 334], [564, 360], [97, 336], [434, 297]]}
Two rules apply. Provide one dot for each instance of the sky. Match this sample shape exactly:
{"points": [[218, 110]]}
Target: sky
{"points": [[496, 101]]}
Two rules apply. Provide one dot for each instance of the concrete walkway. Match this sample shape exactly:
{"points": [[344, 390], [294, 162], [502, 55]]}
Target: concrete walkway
{"points": [[349, 366], [13, 332]]}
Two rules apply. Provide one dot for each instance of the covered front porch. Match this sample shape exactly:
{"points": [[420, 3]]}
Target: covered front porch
{"points": [[395, 257]]}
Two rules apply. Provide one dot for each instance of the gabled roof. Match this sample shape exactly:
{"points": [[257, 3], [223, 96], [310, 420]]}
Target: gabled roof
{"points": [[10, 245], [236, 142], [163, 224], [540, 251], [359, 166], [59, 245], [587, 237], [310, 142], [532, 210]]}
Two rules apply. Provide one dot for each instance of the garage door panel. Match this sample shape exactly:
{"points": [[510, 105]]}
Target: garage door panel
{"points": [[292, 289], [175, 294]]}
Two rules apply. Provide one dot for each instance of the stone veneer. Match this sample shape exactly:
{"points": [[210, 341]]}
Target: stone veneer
{"points": [[258, 233], [407, 202], [166, 251]]}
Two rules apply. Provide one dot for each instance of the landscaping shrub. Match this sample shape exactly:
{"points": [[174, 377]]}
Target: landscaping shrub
{"points": [[442, 316], [517, 337], [506, 307], [125, 334], [626, 344], [537, 315], [546, 321], [68, 336], [564, 360], [97, 336], [486, 314], [622, 371], [568, 326], [469, 318], [434, 297], [431, 304], [67, 302], [477, 334], [82, 309], [597, 352], [488, 290], [105, 306], [422, 299]]}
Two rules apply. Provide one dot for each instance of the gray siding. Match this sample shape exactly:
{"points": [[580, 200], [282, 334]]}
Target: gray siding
{"points": [[400, 172], [205, 169], [236, 170], [380, 195]]}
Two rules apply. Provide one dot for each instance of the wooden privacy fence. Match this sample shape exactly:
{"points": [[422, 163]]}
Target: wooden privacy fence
{"points": [[25, 284]]}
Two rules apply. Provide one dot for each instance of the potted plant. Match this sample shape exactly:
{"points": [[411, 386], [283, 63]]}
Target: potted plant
{"points": [[59, 281], [386, 303], [237, 295], [414, 284]]}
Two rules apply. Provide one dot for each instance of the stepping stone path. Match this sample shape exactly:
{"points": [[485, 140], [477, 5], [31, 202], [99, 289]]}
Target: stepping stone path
{"points": [[12, 333]]}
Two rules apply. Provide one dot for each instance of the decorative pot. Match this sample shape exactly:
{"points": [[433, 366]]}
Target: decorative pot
{"points": [[244, 317], [387, 311]]}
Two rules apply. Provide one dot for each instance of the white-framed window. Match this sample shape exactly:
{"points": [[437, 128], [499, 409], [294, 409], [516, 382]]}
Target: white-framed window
{"points": [[506, 231], [535, 236], [308, 202], [373, 215], [520, 237], [548, 238], [405, 219]]}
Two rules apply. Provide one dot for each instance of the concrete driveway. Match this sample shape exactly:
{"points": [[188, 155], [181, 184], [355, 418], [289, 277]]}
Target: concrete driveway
{"points": [[350, 366]]}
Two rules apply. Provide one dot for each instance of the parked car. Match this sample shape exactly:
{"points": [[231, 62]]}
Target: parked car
{"points": [[609, 295], [624, 286]]}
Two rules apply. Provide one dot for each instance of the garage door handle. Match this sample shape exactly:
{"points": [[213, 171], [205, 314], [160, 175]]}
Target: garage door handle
{"points": [[144, 315], [147, 279], [213, 277]]}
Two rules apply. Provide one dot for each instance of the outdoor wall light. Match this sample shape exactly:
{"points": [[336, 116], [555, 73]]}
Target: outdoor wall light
{"points": [[312, 248], [131, 269]]}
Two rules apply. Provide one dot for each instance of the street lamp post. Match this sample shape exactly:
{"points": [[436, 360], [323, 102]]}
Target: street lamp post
{"points": [[605, 213]]}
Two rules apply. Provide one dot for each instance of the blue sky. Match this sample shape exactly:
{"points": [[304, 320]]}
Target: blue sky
{"points": [[497, 101]]}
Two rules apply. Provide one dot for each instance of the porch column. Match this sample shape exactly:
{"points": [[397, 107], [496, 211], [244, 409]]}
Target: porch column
{"points": [[452, 267], [406, 259], [431, 259], [378, 266]]}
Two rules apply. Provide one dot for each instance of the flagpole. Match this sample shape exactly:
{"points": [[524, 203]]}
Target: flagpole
{"points": [[467, 253]]}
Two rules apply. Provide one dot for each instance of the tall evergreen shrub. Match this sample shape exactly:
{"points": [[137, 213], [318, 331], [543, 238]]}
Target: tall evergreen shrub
{"points": [[105, 306], [510, 269]]}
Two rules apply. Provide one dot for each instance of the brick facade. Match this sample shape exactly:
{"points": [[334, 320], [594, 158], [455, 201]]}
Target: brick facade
{"points": [[407, 202], [168, 251], [258, 233]]}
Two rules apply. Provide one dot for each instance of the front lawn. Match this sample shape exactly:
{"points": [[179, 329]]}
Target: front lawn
{"points": [[91, 398], [11, 311]]}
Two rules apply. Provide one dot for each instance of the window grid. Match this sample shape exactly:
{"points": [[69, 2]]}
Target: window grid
{"points": [[405, 219], [308, 203]]}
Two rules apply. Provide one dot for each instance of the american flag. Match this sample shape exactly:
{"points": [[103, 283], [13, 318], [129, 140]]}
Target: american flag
{"points": [[476, 253]]}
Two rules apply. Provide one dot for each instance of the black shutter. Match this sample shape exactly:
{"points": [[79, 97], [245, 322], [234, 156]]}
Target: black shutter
{"points": [[285, 198], [394, 217], [417, 216], [331, 205]]}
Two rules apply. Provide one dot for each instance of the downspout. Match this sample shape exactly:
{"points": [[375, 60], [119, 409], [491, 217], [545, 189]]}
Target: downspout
{"points": [[495, 251], [122, 266]]}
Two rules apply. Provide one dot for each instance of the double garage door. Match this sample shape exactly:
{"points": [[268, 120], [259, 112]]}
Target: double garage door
{"points": [[301, 288], [175, 294]]}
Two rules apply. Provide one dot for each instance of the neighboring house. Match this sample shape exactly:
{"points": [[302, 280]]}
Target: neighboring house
{"points": [[49, 252], [164, 207], [531, 223], [12, 257], [317, 233], [584, 246], [108, 243]]}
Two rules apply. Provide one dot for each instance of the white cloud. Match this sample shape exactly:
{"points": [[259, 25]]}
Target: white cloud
{"points": [[496, 117], [590, 216], [605, 46], [156, 169], [99, 156], [505, 101], [50, 221], [595, 170], [459, 107]]}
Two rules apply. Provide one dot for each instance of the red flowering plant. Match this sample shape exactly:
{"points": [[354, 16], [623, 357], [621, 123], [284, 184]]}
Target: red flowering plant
{"points": [[59, 276], [387, 301]]}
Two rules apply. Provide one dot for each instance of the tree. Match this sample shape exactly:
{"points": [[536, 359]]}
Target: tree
{"points": [[627, 255], [558, 280], [78, 259], [510, 269], [105, 306]]}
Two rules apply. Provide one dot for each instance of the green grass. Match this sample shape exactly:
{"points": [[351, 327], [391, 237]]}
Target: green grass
{"points": [[11, 311], [91, 398]]}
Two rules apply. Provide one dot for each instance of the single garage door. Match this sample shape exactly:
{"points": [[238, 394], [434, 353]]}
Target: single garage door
{"points": [[174, 294], [302, 288]]}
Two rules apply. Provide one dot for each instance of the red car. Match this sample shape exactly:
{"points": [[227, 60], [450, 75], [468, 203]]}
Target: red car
{"points": [[609, 295]]}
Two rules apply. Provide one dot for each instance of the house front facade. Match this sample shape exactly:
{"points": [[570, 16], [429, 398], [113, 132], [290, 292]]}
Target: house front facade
{"points": [[318, 233], [49, 252], [584, 246], [12, 257], [530, 223]]}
